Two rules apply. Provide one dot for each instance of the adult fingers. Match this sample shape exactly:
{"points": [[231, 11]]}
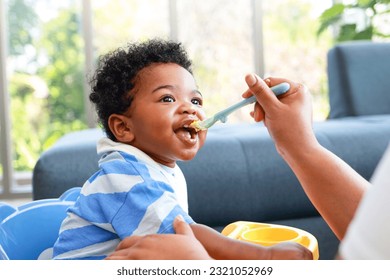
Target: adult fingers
{"points": [[264, 95], [128, 242], [120, 254], [294, 86]]}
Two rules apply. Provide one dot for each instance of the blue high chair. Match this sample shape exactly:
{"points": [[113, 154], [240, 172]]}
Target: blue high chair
{"points": [[28, 232]]}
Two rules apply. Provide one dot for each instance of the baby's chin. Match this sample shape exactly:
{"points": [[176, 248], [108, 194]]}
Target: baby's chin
{"points": [[188, 156]]}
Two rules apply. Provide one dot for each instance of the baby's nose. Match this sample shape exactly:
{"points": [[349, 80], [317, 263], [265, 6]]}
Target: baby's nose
{"points": [[189, 108]]}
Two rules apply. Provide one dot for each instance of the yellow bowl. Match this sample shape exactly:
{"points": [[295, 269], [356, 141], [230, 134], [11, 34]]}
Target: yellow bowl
{"points": [[271, 234]]}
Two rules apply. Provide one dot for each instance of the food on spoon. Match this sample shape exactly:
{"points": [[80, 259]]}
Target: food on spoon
{"points": [[196, 125]]}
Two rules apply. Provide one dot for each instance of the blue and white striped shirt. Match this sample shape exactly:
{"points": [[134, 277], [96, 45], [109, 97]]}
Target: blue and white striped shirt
{"points": [[131, 194]]}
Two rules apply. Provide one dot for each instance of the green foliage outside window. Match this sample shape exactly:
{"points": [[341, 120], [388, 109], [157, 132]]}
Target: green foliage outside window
{"points": [[46, 87], [360, 20]]}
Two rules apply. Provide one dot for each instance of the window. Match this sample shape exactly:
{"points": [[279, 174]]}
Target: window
{"points": [[48, 50], [115, 23], [44, 65], [292, 49]]}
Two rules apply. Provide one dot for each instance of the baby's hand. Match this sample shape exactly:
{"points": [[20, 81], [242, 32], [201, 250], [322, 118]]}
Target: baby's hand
{"points": [[290, 251]]}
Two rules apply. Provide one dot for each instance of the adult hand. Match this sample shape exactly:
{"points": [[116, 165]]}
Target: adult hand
{"points": [[290, 251], [180, 246], [288, 117]]}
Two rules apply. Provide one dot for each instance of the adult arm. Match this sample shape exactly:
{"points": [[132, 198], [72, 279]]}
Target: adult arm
{"points": [[333, 187]]}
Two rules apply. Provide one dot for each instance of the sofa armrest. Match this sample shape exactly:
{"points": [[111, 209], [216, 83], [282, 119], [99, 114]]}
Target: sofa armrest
{"points": [[69, 163], [359, 79]]}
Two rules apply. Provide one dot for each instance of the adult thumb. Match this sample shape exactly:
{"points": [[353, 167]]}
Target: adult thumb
{"points": [[181, 227], [264, 95]]}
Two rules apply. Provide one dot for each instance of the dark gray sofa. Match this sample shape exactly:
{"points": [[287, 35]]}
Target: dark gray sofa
{"points": [[359, 79], [237, 175]]}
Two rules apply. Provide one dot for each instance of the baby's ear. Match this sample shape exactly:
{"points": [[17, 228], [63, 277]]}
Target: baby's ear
{"points": [[120, 126]]}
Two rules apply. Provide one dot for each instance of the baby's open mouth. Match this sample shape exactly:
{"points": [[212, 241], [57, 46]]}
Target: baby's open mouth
{"points": [[186, 132], [192, 131]]}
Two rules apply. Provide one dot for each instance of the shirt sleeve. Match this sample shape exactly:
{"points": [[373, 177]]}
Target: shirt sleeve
{"points": [[150, 207], [368, 234]]}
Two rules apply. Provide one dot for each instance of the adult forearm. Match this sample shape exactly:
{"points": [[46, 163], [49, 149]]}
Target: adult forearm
{"points": [[334, 188]]}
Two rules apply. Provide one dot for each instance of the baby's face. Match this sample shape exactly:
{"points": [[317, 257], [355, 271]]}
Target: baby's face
{"points": [[166, 101]]}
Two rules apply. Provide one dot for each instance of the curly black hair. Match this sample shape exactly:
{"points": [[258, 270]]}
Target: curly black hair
{"points": [[117, 70]]}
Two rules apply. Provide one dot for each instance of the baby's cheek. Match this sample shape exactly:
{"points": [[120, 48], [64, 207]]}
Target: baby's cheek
{"points": [[202, 137], [201, 114]]}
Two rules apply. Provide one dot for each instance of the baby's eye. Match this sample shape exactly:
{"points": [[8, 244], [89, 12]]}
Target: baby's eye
{"points": [[167, 98], [197, 101]]}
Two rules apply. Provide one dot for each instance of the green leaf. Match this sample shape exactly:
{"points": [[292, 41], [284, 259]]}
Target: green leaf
{"points": [[366, 34], [330, 16], [347, 32], [366, 3], [333, 12], [324, 25]]}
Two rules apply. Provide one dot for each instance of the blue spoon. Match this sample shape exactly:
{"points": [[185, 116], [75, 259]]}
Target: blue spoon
{"points": [[222, 115]]}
